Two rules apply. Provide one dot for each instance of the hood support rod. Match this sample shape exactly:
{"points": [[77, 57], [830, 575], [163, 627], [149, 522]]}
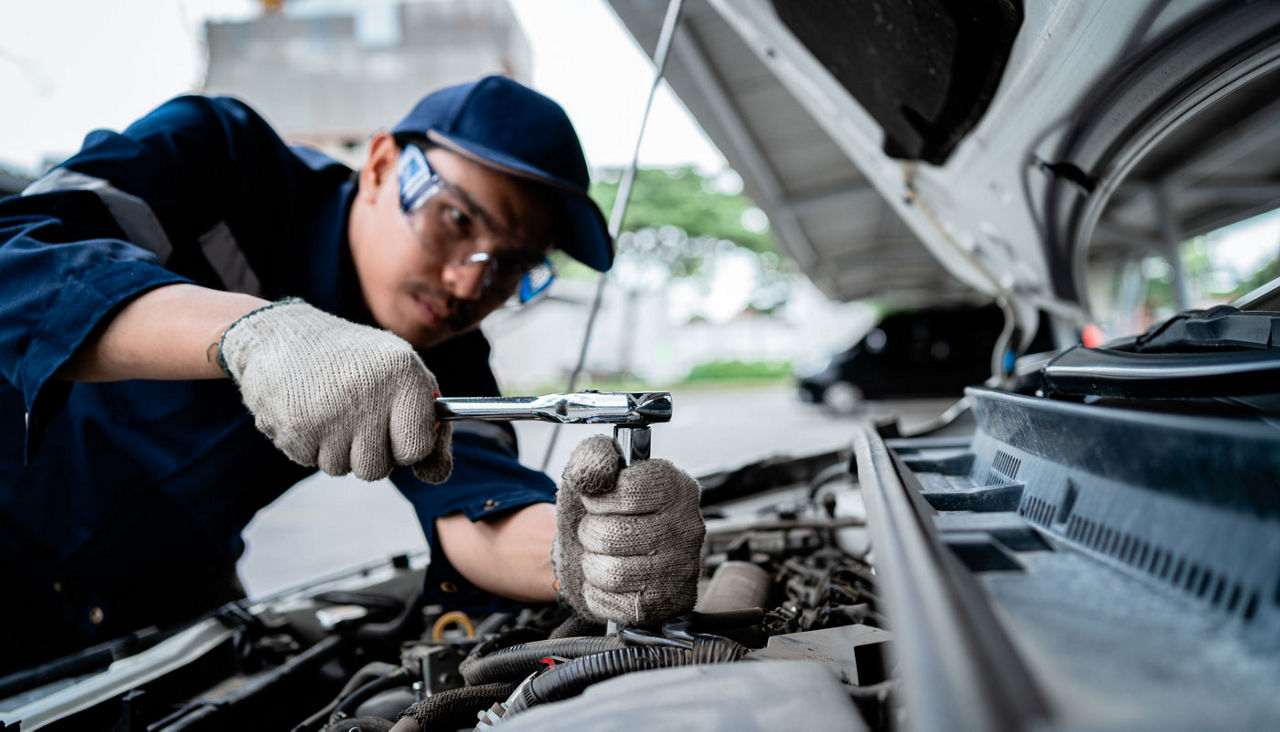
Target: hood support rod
{"points": [[669, 24]]}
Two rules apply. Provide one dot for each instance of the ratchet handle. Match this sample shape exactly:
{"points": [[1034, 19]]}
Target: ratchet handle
{"points": [[635, 409], [630, 413]]}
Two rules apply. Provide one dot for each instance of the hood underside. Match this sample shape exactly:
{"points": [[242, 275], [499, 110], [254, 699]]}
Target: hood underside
{"points": [[825, 214], [920, 152]]}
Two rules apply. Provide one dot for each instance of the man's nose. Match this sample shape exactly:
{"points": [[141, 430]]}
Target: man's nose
{"points": [[465, 281]]}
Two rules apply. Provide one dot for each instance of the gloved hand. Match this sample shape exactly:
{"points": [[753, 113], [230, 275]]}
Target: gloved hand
{"points": [[628, 539], [332, 393]]}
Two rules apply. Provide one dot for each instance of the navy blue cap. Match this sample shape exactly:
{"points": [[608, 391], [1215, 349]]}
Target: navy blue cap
{"points": [[509, 127]]}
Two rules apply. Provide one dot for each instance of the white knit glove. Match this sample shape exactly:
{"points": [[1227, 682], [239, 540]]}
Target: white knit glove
{"points": [[628, 539], [335, 394]]}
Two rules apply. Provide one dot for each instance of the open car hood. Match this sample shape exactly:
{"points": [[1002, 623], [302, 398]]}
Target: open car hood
{"points": [[991, 137]]}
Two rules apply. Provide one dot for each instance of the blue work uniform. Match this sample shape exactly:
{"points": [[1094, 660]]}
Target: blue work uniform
{"points": [[121, 504]]}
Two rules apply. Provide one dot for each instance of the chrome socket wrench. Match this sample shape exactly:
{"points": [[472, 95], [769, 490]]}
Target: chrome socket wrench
{"points": [[630, 413]]}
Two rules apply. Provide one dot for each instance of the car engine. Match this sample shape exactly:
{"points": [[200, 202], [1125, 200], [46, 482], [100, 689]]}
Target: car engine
{"points": [[786, 581], [787, 630]]}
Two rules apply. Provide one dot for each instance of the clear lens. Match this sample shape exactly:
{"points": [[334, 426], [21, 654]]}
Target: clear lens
{"points": [[419, 184]]}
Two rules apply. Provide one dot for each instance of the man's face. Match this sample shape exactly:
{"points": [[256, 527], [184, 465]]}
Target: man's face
{"points": [[415, 269]]}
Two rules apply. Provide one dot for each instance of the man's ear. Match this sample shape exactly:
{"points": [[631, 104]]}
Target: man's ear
{"points": [[380, 168]]}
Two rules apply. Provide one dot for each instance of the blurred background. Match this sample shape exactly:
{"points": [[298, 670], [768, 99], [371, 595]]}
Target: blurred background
{"points": [[329, 73], [700, 302]]}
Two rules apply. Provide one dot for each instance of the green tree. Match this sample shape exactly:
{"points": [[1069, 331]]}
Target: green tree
{"points": [[682, 221], [1264, 275], [683, 198]]}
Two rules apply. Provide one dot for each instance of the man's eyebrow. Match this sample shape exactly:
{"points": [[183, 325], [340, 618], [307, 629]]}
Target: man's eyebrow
{"points": [[475, 209]]}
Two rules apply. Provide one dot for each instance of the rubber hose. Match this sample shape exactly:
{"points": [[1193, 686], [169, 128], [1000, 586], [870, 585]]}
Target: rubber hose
{"points": [[395, 628], [453, 709], [716, 649], [347, 707], [506, 640], [367, 672], [569, 679], [519, 661]]}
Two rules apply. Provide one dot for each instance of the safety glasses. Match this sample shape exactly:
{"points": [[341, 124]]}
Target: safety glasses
{"points": [[420, 188]]}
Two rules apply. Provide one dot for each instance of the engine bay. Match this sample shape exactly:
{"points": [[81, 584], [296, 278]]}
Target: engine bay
{"points": [[1042, 561], [788, 599]]}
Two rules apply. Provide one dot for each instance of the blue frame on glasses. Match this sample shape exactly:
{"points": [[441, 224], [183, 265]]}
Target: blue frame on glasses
{"points": [[418, 183], [537, 280]]}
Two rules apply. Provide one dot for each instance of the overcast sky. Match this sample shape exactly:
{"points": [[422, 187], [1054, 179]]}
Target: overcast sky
{"points": [[70, 66]]}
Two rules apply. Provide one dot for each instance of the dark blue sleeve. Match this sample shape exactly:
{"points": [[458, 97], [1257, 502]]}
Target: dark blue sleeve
{"points": [[487, 481], [57, 286], [118, 218]]}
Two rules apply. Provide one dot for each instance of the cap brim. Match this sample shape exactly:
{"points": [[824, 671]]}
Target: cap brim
{"points": [[586, 232]]}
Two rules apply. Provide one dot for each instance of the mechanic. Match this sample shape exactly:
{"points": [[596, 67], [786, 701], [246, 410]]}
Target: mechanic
{"points": [[195, 246]]}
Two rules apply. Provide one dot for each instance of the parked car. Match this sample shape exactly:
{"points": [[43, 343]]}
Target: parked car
{"points": [[1098, 551], [932, 352]]}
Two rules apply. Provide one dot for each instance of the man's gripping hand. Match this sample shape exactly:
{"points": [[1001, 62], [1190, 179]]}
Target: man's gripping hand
{"points": [[335, 394], [628, 539]]}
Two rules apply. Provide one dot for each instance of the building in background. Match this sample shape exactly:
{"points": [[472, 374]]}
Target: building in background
{"points": [[330, 73]]}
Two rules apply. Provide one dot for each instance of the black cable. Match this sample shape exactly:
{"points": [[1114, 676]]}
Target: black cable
{"points": [[347, 707], [392, 630], [454, 708], [716, 649], [516, 662], [363, 676], [514, 637], [570, 679]]}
